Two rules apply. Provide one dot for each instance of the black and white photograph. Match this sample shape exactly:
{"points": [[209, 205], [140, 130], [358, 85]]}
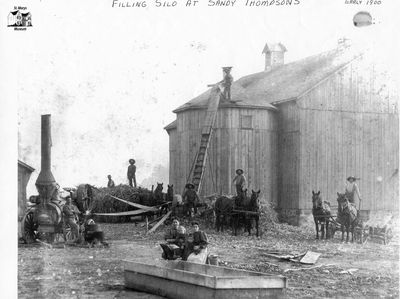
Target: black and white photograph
{"points": [[194, 149]]}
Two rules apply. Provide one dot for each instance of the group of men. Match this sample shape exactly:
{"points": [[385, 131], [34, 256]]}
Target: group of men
{"points": [[131, 174]]}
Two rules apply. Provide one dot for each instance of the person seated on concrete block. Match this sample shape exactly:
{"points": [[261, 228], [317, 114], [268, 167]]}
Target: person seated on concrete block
{"points": [[172, 248], [196, 246]]}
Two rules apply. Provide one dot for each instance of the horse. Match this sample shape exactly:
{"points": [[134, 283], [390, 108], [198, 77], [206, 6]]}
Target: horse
{"points": [[160, 197], [250, 207], [170, 193], [347, 216], [321, 211], [158, 194], [208, 214], [223, 209]]}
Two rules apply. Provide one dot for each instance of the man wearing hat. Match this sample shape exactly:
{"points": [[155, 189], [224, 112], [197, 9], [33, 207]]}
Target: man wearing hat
{"points": [[190, 198], [132, 173], [240, 181], [352, 189], [69, 219]]}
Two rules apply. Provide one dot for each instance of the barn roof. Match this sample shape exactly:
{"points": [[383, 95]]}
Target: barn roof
{"points": [[26, 166], [285, 82]]}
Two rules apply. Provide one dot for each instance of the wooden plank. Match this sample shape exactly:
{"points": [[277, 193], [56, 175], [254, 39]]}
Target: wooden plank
{"points": [[128, 213], [159, 223], [310, 258], [136, 205]]}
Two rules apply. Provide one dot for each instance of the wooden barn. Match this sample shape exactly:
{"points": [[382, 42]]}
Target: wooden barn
{"points": [[24, 173], [297, 127]]}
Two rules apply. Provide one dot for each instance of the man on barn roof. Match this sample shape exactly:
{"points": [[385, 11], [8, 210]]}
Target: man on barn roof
{"points": [[132, 173], [190, 198], [352, 189], [227, 82], [240, 181]]}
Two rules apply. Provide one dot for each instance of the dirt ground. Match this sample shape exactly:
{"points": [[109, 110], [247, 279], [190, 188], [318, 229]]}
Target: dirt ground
{"points": [[345, 270]]}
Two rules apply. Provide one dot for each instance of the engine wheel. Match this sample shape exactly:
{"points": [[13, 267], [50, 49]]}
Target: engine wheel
{"points": [[68, 237], [30, 229]]}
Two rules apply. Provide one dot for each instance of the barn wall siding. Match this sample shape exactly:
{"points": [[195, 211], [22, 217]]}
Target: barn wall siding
{"points": [[254, 150], [349, 126], [288, 166], [172, 154]]}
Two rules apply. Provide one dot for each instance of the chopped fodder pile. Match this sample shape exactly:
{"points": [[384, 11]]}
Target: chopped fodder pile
{"points": [[105, 203]]}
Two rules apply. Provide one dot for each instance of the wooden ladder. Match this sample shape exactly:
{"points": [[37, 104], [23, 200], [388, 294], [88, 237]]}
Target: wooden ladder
{"points": [[206, 132]]}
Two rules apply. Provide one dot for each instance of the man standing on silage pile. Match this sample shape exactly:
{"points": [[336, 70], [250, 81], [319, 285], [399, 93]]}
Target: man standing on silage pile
{"points": [[132, 173]]}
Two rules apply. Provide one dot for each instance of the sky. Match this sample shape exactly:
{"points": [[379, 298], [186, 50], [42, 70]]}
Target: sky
{"points": [[110, 76]]}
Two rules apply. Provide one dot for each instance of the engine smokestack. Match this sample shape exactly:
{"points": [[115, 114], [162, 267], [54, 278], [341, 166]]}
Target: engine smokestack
{"points": [[45, 183]]}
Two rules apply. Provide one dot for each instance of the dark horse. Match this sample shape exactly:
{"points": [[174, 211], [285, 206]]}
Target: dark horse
{"points": [[158, 194], [321, 211], [170, 193], [347, 216], [223, 210], [249, 210], [160, 198]]}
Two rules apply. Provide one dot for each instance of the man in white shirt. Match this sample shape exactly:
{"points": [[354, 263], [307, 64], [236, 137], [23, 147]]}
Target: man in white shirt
{"points": [[352, 190], [240, 181]]}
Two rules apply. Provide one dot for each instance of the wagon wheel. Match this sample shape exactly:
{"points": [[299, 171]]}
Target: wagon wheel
{"points": [[67, 233], [332, 229], [360, 234], [388, 236], [364, 235], [30, 232]]}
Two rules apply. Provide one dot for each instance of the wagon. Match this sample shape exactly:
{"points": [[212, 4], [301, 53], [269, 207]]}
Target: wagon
{"points": [[178, 279], [377, 226], [369, 225], [359, 231]]}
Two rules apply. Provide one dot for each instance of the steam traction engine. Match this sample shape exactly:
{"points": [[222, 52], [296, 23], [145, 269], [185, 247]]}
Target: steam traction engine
{"points": [[43, 219]]}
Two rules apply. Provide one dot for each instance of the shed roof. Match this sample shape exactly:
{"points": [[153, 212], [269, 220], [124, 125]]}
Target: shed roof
{"points": [[26, 166], [284, 82], [171, 126]]}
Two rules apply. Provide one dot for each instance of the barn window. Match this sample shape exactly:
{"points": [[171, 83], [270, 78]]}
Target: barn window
{"points": [[246, 122]]}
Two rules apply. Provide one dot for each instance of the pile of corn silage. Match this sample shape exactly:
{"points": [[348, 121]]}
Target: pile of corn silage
{"points": [[104, 203]]}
